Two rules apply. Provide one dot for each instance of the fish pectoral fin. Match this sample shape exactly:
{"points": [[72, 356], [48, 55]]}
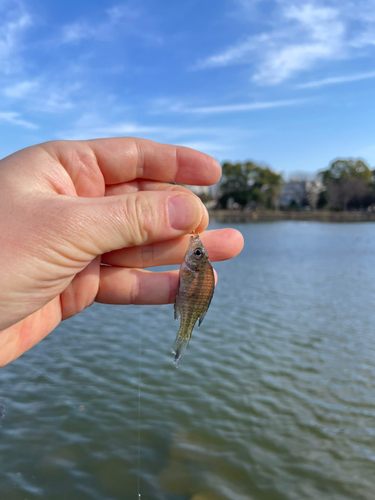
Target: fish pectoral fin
{"points": [[179, 348]]}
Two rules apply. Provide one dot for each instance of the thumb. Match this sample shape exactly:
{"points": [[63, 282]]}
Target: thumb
{"points": [[100, 225]]}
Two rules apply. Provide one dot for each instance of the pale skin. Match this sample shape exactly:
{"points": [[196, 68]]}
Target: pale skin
{"points": [[68, 207]]}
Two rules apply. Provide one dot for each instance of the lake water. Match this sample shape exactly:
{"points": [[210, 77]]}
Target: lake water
{"points": [[274, 399]]}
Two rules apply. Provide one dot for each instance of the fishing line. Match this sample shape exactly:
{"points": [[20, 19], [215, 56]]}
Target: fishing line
{"points": [[140, 383], [139, 405]]}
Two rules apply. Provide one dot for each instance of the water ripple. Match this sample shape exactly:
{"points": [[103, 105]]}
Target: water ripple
{"points": [[275, 398]]}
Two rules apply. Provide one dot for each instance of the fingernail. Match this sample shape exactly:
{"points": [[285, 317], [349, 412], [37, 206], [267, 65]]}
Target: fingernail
{"points": [[184, 212]]}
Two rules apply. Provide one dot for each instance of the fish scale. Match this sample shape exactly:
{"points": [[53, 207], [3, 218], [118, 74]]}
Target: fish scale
{"points": [[195, 290]]}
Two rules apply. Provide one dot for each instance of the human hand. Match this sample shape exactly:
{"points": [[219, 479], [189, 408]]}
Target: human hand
{"points": [[66, 207]]}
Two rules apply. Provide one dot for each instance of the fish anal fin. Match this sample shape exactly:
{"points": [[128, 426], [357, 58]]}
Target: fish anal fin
{"points": [[202, 318]]}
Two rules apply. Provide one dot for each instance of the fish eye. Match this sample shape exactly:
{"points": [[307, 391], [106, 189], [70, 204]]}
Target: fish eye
{"points": [[198, 253]]}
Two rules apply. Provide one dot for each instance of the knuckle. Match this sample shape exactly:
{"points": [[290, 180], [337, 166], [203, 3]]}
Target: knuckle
{"points": [[141, 217]]}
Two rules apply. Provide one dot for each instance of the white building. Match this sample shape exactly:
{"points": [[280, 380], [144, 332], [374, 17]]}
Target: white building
{"points": [[300, 193]]}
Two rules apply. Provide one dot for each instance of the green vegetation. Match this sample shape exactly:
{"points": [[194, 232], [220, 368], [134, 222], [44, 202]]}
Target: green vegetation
{"points": [[349, 184], [249, 184], [346, 184]]}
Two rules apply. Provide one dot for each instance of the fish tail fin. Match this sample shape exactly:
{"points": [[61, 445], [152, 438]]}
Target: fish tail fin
{"points": [[179, 348]]}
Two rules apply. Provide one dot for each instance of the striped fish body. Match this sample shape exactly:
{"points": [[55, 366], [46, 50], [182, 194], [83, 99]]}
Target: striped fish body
{"points": [[195, 290]]}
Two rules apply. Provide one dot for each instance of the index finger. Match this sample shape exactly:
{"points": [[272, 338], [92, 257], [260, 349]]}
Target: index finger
{"points": [[123, 159]]}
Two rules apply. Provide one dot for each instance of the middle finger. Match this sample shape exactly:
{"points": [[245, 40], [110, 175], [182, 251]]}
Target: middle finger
{"points": [[221, 244]]}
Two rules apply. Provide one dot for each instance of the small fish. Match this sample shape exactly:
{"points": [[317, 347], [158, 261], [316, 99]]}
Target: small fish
{"points": [[194, 294]]}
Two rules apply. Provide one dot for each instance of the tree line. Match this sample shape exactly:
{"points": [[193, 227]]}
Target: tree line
{"points": [[346, 184]]}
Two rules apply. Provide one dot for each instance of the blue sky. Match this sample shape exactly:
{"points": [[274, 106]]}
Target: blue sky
{"points": [[287, 83]]}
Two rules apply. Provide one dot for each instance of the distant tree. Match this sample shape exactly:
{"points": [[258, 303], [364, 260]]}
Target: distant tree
{"points": [[293, 205], [204, 197], [349, 168], [313, 192], [349, 184], [250, 184], [322, 201], [270, 184]]}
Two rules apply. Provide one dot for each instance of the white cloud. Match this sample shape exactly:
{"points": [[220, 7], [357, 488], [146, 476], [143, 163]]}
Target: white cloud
{"points": [[247, 9], [104, 30], [44, 95], [365, 39], [20, 90], [336, 80], [14, 119], [235, 108], [118, 17], [57, 97], [323, 34], [78, 31], [297, 36], [13, 24], [84, 128], [236, 54], [119, 13], [278, 66], [121, 129]]}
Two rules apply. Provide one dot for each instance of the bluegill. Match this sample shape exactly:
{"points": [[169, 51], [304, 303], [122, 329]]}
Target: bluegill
{"points": [[194, 294]]}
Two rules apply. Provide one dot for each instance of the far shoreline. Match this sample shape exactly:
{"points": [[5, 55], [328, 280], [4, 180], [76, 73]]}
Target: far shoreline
{"points": [[285, 215]]}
